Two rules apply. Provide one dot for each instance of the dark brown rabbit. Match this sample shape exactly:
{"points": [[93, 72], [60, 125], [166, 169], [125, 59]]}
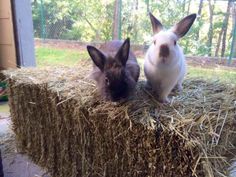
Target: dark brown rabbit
{"points": [[115, 70]]}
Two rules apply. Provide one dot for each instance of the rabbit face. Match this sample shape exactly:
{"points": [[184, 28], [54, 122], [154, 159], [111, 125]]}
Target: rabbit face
{"points": [[114, 79], [165, 47]]}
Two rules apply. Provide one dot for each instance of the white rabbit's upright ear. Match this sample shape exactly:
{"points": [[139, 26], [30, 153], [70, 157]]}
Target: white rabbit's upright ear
{"points": [[97, 56], [181, 28], [156, 24], [123, 52]]}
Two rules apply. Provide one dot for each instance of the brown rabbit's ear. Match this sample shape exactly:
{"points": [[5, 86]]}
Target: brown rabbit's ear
{"points": [[97, 56], [156, 24], [181, 28], [123, 52]]}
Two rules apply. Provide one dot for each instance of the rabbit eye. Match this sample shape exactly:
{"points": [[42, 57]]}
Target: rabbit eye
{"points": [[174, 42], [107, 81]]}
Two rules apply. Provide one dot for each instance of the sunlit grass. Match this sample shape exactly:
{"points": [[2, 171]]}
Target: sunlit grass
{"points": [[224, 75], [50, 56], [4, 108]]}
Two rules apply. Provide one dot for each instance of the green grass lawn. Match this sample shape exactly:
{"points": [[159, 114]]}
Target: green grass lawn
{"points": [[47, 56], [4, 108], [224, 75]]}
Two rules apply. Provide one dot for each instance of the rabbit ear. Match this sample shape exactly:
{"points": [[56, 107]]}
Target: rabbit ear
{"points": [[181, 28], [123, 52], [156, 24], [97, 56]]}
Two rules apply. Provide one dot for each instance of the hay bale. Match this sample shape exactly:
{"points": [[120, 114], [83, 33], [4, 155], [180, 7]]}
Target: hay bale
{"points": [[63, 125]]}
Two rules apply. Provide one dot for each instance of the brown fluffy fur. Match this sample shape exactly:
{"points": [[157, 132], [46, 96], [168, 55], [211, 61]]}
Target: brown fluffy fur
{"points": [[115, 70]]}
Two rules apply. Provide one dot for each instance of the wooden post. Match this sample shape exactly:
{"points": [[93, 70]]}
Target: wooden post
{"points": [[7, 42], [24, 34]]}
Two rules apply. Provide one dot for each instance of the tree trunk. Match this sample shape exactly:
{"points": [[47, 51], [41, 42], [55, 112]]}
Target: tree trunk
{"points": [[184, 2], [234, 26], [210, 31], [189, 4], [225, 28], [218, 42], [148, 6], [199, 14], [136, 4], [115, 26], [188, 10], [135, 25]]}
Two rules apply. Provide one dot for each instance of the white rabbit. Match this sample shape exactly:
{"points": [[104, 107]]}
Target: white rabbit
{"points": [[164, 64]]}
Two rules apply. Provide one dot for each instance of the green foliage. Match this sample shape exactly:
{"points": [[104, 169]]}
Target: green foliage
{"points": [[89, 20], [73, 34]]}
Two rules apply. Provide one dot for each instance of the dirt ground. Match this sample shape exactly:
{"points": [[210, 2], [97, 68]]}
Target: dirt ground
{"points": [[139, 51], [15, 164]]}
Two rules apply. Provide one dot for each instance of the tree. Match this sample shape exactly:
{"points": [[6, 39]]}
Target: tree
{"points": [[189, 4], [148, 6], [219, 39], [184, 3], [199, 14], [225, 28], [135, 25], [188, 10], [210, 31], [115, 26], [89, 20], [234, 26], [219, 42]]}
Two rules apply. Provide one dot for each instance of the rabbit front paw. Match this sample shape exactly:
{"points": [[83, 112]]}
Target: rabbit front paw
{"points": [[164, 100]]}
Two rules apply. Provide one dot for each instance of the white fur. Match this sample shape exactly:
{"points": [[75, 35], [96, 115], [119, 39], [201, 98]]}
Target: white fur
{"points": [[164, 76]]}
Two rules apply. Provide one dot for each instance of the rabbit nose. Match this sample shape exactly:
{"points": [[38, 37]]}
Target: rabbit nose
{"points": [[164, 50]]}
